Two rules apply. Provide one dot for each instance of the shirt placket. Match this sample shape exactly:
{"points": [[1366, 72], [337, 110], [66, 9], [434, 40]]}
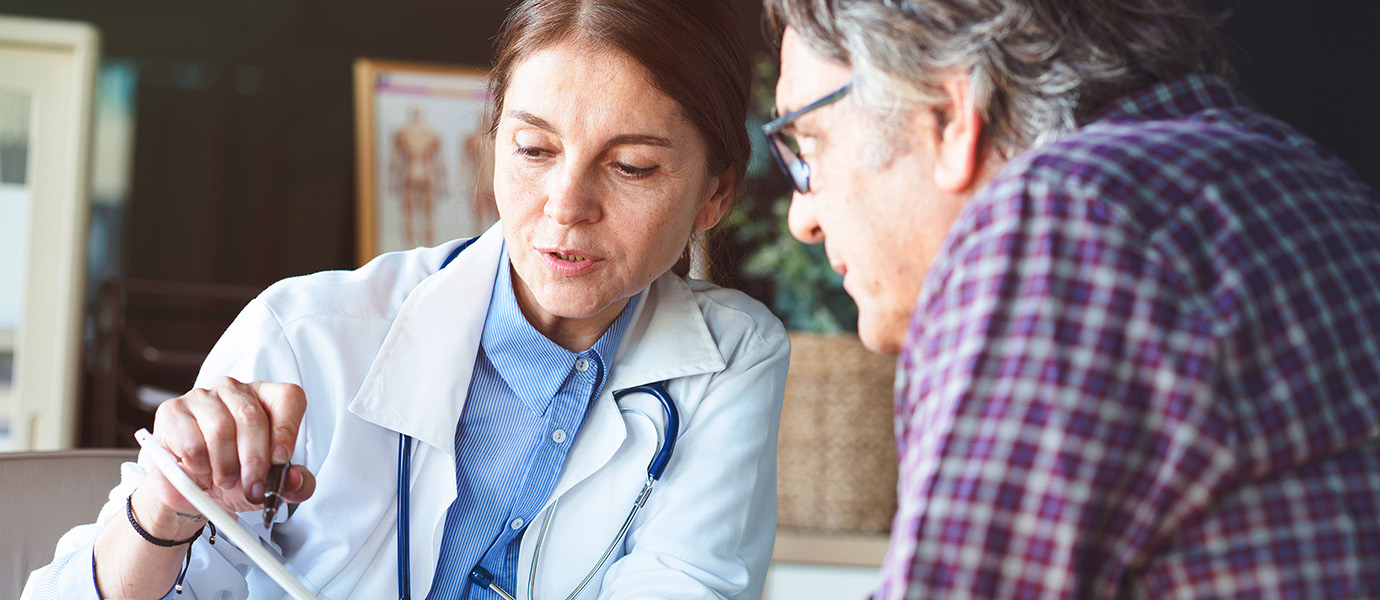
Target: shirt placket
{"points": [[567, 412]]}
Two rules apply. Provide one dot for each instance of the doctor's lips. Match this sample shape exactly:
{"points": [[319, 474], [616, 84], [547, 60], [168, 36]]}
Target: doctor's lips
{"points": [[567, 262]]}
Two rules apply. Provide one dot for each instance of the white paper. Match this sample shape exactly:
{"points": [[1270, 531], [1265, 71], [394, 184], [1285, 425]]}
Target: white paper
{"points": [[227, 524]]}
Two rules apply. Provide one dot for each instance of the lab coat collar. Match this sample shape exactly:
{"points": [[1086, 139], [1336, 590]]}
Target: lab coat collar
{"points": [[420, 377], [670, 341]]}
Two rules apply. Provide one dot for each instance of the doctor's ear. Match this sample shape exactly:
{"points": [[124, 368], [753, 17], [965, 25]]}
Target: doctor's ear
{"points": [[725, 186]]}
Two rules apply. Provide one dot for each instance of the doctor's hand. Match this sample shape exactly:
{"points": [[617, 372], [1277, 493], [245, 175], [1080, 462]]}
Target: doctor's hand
{"points": [[226, 437]]}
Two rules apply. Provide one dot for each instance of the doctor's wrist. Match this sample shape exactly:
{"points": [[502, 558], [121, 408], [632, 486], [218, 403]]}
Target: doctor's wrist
{"points": [[162, 521]]}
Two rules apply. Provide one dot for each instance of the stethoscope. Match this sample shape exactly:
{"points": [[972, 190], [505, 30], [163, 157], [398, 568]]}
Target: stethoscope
{"points": [[479, 575]]}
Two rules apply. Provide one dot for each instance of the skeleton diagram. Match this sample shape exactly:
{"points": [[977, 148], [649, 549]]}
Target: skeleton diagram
{"points": [[417, 175]]}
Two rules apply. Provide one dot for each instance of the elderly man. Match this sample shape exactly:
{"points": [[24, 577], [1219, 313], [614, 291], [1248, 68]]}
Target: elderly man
{"points": [[1138, 321]]}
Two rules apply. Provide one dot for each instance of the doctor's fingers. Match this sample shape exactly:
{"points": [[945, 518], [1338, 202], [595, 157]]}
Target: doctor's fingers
{"points": [[286, 404], [233, 428], [301, 484], [252, 434], [199, 430]]}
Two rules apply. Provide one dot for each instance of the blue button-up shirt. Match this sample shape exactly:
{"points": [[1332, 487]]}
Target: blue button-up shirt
{"points": [[526, 403]]}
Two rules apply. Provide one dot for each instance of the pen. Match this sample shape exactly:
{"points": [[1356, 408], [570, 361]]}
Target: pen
{"points": [[273, 491]]}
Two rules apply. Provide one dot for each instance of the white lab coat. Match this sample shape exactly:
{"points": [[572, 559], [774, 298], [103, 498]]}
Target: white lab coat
{"points": [[391, 347]]}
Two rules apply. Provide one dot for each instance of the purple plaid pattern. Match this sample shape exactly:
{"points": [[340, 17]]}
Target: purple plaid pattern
{"points": [[1146, 364]]}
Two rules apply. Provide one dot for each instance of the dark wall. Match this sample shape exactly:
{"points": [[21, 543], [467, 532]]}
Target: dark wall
{"points": [[1315, 65], [244, 151], [244, 147]]}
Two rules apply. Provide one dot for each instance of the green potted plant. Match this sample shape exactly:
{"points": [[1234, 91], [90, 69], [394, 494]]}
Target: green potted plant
{"points": [[808, 295]]}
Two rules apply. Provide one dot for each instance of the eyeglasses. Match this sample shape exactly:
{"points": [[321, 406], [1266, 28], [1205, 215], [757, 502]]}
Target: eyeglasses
{"points": [[784, 147]]}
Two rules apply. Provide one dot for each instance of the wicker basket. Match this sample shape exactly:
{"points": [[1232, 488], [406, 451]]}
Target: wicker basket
{"points": [[837, 453]]}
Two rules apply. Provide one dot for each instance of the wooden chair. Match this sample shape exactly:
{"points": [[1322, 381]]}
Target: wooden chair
{"points": [[151, 338]]}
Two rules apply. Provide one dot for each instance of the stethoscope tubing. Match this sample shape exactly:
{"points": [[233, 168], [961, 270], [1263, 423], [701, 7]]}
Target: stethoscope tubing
{"points": [[668, 446], [404, 494], [480, 576]]}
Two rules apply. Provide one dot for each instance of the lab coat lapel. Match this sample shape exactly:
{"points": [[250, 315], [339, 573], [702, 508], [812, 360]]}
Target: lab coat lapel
{"points": [[419, 380], [670, 342], [667, 339]]}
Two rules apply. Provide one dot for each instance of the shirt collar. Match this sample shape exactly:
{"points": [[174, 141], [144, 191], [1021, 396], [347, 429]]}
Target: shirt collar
{"points": [[604, 350], [533, 366], [1171, 99]]}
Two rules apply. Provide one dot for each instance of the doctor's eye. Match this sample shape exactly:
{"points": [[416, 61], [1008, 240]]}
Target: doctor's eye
{"points": [[632, 172], [532, 153]]}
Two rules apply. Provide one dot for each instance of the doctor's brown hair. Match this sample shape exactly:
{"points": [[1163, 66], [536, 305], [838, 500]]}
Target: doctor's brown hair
{"points": [[694, 52]]}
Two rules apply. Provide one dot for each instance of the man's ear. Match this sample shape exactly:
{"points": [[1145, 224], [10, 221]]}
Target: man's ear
{"points": [[959, 134], [714, 209]]}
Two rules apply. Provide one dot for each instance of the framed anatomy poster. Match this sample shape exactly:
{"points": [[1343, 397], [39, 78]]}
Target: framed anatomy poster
{"points": [[425, 161]]}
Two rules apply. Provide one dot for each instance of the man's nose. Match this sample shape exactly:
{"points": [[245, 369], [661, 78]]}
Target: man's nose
{"points": [[802, 221], [571, 198]]}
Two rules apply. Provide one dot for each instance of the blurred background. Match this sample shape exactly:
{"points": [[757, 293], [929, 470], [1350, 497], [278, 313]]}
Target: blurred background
{"points": [[222, 153]]}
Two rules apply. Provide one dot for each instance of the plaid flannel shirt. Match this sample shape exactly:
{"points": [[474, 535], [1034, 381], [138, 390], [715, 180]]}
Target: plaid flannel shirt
{"points": [[1146, 364]]}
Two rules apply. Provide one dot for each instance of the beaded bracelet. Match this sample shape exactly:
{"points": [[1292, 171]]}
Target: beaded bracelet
{"points": [[187, 562]]}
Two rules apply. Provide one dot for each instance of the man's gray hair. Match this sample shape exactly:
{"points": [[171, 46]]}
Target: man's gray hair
{"points": [[1036, 67]]}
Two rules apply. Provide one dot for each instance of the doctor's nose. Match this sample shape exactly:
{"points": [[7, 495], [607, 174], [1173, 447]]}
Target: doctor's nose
{"points": [[571, 197], [801, 220]]}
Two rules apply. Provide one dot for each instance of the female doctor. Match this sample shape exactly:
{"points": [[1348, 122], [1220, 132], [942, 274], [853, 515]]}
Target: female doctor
{"points": [[619, 133]]}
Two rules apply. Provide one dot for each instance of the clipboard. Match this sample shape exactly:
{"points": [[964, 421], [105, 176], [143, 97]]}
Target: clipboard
{"points": [[227, 524]]}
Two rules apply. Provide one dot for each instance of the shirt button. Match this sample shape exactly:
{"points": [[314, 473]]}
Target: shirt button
{"points": [[558, 436], [516, 524], [581, 364]]}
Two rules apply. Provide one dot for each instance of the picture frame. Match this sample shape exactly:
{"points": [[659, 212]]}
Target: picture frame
{"points": [[44, 210], [424, 159]]}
